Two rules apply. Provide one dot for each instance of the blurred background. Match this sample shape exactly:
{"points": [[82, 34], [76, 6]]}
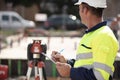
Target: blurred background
{"points": [[53, 22]]}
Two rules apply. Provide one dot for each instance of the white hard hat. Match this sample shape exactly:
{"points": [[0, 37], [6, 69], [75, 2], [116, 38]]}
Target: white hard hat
{"points": [[94, 3]]}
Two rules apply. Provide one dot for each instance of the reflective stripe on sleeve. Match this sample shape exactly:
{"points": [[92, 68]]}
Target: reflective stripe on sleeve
{"points": [[83, 56], [98, 75], [87, 66], [103, 67]]}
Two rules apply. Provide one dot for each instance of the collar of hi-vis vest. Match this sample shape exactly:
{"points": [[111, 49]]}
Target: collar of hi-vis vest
{"points": [[96, 27]]}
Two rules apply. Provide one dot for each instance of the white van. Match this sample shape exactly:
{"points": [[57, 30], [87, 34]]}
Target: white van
{"points": [[11, 19]]}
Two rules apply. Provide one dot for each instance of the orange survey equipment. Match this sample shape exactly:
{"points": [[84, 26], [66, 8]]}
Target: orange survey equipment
{"points": [[36, 59], [36, 47]]}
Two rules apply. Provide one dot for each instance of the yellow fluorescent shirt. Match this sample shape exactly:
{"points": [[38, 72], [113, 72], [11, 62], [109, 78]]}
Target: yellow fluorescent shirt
{"points": [[99, 46]]}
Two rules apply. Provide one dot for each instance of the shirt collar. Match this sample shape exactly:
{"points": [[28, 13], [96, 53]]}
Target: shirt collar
{"points": [[96, 27]]}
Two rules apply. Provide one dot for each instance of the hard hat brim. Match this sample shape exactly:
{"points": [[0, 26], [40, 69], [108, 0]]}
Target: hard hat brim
{"points": [[78, 3]]}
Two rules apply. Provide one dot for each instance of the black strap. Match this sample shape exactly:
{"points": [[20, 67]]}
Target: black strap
{"points": [[110, 78]]}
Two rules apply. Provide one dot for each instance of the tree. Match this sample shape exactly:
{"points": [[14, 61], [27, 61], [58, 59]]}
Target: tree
{"points": [[56, 5], [26, 3]]}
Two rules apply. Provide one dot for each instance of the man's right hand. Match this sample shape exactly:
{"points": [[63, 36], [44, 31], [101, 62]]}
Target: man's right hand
{"points": [[57, 57]]}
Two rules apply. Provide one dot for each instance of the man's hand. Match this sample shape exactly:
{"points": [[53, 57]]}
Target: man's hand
{"points": [[57, 57], [63, 69]]}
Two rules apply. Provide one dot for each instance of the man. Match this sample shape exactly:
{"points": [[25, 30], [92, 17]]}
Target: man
{"points": [[97, 49]]}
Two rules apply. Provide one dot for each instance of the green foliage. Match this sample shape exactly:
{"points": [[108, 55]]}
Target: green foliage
{"points": [[71, 8], [26, 3]]}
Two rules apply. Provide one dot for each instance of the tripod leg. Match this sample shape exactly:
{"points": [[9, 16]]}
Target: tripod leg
{"points": [[40, 73], [37, 76], [30, 66], [44, 73], [36, 73], [40, 66]]}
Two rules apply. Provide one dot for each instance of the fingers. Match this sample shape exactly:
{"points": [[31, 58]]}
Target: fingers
{"points": [[63, 69], [53, 55], [57, 57], [58, 64]]}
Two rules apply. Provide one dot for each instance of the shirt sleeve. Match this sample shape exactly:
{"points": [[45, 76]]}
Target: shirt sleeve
{"points": [[82, 74]]}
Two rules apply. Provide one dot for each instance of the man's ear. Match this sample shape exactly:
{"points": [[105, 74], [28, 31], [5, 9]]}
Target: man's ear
{"points": [[82, 9], [85, 10]]}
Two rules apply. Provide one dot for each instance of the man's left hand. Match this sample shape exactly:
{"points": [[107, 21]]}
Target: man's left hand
{"points": [[63, 69]]}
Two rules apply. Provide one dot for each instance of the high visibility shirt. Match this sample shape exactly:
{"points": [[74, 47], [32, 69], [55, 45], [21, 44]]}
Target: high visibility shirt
{"points": [[97, 51]]}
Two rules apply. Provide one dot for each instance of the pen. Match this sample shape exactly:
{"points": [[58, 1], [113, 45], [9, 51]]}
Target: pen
{"points": [[61, 50]]}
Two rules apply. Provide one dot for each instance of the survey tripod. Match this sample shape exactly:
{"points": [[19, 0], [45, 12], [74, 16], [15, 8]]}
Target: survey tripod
{"points": [[36, 60]]}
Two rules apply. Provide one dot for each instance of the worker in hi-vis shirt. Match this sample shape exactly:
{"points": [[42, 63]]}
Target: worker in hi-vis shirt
{"points": [[97, 49]]}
